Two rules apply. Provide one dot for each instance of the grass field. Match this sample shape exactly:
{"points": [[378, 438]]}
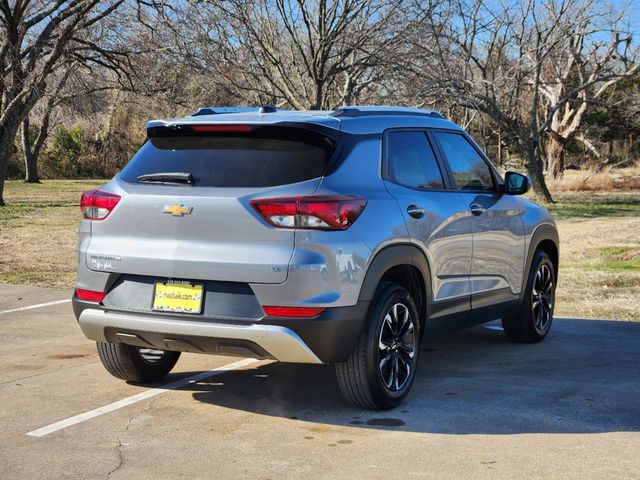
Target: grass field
{"points": [[599, 251], [38, 231]]}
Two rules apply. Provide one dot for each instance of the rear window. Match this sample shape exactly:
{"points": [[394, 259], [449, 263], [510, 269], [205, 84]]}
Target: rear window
{"points": [[262, 158]]}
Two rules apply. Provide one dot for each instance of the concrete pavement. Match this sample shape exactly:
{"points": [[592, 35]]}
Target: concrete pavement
{"points": [[480, 408]]}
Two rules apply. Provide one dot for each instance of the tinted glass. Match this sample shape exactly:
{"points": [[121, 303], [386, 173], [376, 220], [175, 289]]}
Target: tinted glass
{"points": [[228, 160], [411, 161], [470, 171], [515, 182]]}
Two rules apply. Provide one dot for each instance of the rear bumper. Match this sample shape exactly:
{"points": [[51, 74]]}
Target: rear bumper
{"points": [[328, 338], [272, 341]]}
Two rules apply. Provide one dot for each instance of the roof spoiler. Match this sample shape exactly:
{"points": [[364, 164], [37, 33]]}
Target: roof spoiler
{"points": [[222, 110]]}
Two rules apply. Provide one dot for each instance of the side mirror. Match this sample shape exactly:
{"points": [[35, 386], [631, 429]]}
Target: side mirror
{"points": [[516, 184]]}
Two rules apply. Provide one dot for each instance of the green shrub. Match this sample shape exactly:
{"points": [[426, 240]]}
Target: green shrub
{"points": [[66, 147], [15, 166]]}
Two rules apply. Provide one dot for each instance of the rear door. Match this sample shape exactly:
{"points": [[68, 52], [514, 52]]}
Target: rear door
{"points": [[436, 218], [208, 231], [498, 232]]}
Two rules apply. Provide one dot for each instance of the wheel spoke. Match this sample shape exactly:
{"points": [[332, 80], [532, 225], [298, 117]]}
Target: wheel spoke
{"points": [[406, 366], [397, 351], [542, 298], [388, 321], [544, 318], [537, 312], [407, 350], [405, 321], [384, 361], [407, 332], [394, 316]]}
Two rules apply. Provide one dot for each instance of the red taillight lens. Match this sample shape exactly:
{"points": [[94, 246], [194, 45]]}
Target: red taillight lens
{"points": [[90, 295], [97, 204], [299, 312], [222, 128], [321, 212]]}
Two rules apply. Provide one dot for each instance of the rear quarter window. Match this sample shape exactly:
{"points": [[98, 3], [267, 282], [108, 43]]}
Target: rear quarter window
{"points": [[263, 158]]}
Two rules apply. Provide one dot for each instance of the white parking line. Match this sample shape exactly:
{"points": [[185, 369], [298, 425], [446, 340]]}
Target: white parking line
{"points": [[54, 427], [39, 305]]}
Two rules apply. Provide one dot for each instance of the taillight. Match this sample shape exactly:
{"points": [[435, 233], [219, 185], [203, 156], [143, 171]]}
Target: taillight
{"points": [[222, 128], [97, 204], [299, 312], [321, 212], [90, 295]]}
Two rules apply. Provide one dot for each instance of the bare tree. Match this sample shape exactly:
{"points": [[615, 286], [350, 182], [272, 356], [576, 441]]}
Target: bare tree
{"points": [[36, 37], [494, 57], [31, 147], [595, 54], [307, 54]]}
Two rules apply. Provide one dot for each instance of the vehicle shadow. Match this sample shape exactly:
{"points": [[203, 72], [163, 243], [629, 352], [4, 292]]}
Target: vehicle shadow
{"points": [[584, 378]]}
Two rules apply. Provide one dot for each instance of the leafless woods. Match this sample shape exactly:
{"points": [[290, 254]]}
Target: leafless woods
{"points": [[534, 77]]}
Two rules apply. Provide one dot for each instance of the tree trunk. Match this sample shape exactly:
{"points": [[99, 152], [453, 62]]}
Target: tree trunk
{"points": [[6, 145], [500, 163], [7, 139], [556, 152], [534, 169], [9, 131], [30, 158]]}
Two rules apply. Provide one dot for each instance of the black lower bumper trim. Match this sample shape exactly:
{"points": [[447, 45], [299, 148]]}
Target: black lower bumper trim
{"points": [[332, 335], [187, 343]]}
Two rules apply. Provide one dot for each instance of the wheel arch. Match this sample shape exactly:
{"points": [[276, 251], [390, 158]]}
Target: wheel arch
{"points": [[545, 237], [404, 264]]}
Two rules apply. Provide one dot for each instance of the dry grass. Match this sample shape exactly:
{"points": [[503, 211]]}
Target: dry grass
{"points": [[38, 232], [599, 234], [600, 268], [606, 180]]}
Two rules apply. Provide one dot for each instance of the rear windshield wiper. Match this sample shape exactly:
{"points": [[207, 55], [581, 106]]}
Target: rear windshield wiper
{"points": [[168, 177]]}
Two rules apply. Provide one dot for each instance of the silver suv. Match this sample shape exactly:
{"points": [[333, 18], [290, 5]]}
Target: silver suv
{"points": [[340, 237]]}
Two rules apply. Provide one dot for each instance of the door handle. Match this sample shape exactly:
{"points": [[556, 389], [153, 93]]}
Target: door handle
{"points": [[416, 211], [477, 209]]}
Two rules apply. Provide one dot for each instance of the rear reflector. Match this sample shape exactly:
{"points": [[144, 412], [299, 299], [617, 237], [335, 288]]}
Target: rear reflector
{"points": [[320, 212], [89, 295], [299, 312], [222, 128], [97, 204]]}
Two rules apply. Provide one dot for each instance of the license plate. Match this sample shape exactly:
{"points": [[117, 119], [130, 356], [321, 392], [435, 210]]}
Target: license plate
{"points": [[177, 297]]}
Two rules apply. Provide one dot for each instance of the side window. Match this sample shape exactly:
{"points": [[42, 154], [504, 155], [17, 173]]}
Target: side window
{"points": [[411, 161], [470, 171]]}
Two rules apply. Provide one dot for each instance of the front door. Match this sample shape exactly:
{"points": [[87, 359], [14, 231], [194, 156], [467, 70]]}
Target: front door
{"points": [[437, 220], [498, 231]]}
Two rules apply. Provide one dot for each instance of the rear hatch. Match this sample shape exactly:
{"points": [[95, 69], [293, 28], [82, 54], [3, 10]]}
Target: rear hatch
{"points": [[206, 229]]}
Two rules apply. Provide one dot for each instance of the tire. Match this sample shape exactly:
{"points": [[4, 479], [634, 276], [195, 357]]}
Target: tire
{"points": [[135, 364], [366, 379], [533, 321]]}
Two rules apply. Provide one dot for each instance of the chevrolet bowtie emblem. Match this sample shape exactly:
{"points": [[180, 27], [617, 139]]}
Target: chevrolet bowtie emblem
{"points": [[177, 210]]}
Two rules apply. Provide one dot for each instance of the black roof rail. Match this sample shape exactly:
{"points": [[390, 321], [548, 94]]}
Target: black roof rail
{"points": [[376, 111]]}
